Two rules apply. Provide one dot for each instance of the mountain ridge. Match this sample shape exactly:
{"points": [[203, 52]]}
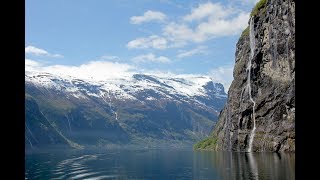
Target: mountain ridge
{"points": [[140, 109]]}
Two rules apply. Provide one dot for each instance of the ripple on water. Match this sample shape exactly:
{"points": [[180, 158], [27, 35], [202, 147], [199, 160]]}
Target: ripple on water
{"points": [[101, 177], [73, 166], [84, 175]]}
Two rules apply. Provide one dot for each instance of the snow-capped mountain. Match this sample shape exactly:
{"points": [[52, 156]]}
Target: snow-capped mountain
{"points": [[131, 109]]}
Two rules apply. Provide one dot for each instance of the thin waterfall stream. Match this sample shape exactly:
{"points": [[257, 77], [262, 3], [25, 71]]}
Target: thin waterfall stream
{"points": [[252, 49]]}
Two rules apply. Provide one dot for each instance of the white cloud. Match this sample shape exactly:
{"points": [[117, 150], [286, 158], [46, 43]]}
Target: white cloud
{"points": [[198, 50], [250, 1], [208, 10], [102, 69], [109, 58], [153, 41], [31, 65], [203, 23], [179, 34], [216, 25], [223, 27], [40, 52], [111, 70], [223, 74], [35, 51], [150, 58], [147, 17]]}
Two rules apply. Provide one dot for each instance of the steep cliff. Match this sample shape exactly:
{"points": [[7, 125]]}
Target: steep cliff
{"points": [[260, 111]]}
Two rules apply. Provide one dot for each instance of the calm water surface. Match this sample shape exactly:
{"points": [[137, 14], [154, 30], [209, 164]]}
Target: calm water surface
{"points": [[158, 164]]}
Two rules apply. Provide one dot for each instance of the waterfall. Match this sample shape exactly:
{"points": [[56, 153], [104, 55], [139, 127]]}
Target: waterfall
{"points": [[109, 100], [110, 104], [239, 110], [116, 115], [229, 121], [252, 49]]}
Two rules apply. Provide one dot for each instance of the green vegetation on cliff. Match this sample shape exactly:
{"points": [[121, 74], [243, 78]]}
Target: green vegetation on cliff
{"points": [[261, 4], [208, 143], [245, 32]]}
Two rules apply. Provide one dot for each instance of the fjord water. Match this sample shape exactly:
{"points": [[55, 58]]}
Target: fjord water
{"points": [[159, 164]]}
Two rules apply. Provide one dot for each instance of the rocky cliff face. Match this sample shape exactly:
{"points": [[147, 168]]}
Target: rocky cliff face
{"points": [[260, 110]]}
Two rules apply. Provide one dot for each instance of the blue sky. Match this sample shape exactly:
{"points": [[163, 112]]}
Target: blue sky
{"points": [[180, 37]]}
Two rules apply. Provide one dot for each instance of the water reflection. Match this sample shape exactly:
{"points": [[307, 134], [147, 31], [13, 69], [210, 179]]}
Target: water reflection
{"points": [[160, 164], [244, 165]]}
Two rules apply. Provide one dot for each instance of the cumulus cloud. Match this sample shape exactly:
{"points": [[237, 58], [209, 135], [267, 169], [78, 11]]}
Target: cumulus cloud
{"points": [[178, 34], [198, 50], [102, 69], [223, 27], [31, 65], [147, 17], [223, 74], [153, 41], [217, 24], [35, 51], [40, 52], [150, 58], [208, 10], [204, 22]]}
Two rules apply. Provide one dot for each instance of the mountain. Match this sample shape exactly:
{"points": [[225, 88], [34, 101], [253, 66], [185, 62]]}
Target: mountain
{"points": [[139, 110], [38, 123], [260, 111]]}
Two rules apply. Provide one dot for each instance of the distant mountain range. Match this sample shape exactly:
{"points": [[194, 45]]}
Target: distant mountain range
{"points": [[138, 110]]}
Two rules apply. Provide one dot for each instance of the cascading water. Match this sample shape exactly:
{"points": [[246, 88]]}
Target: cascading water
{"points": [[239, 118], [252, 49], [229, 121], [110, 105], [109, 100]]}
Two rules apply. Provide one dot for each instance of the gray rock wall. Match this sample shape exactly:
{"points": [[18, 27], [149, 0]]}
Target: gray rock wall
{"points": [[272, 85]]}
